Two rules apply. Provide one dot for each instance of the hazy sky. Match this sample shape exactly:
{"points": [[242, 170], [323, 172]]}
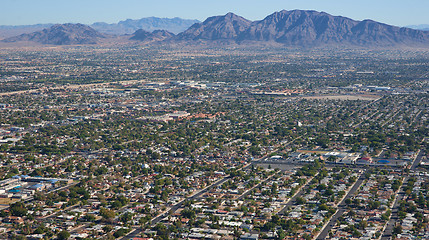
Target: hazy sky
{"points": [[20, 12]]}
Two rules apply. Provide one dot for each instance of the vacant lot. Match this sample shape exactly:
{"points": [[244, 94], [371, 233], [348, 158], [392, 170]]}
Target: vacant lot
{"points": [[7, 201]]}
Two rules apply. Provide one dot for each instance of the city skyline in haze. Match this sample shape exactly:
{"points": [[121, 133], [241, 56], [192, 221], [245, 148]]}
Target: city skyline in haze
{"points": [[27, 12]]}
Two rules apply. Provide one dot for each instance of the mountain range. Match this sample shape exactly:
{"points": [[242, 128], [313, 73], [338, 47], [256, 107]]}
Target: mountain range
{"points": [[424, 27], [157, 35], [304, 28], [61, 34], [297, 28], [129, 26], [12, 31], [228, 27]]}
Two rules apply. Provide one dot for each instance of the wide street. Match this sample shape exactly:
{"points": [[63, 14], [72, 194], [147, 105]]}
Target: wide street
{"points": [[341, 208]]}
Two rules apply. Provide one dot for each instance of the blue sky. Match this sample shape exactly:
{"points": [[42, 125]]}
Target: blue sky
{"points": [[20, 12]]}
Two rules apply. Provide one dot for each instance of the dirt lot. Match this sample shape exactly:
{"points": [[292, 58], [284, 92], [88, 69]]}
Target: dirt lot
{"points": [[7, 201]]}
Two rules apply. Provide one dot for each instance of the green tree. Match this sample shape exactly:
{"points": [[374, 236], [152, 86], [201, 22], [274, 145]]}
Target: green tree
{"points": [[121, 232], [397, 229], [18, 209], [63, 235], [107, 214], [162, 231], [300, 200]]}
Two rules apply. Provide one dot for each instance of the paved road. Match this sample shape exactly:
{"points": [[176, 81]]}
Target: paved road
{"points": [[417, 160], [292, 201], [341, 208], [331, 164], [137, 231], [387, 234], [256, 186]]}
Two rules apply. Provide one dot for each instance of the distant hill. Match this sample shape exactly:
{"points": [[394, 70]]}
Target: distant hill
{"points": [[229, 26], [157, 35], [424, 27], [11, 31], [61, 34], [305, 29], [129, 26]]}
